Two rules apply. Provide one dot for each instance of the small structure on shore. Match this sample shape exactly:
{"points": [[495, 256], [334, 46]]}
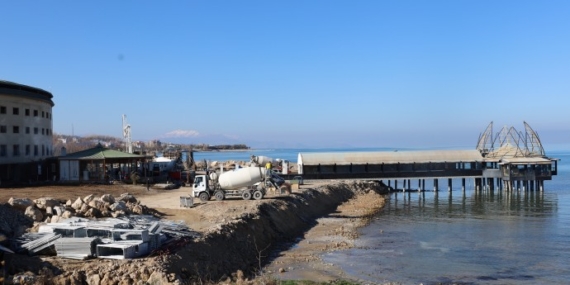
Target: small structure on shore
{"points": [[98, 164]]}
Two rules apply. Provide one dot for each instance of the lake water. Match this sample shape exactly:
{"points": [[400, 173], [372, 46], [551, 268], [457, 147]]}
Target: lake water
{"points": [[287, 154], [460, 237]]}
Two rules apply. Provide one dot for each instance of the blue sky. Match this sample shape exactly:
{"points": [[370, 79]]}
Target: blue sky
{"points": [[295, 73]]}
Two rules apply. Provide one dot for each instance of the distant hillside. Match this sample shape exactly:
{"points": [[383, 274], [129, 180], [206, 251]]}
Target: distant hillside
{"points": [[77, 143]]}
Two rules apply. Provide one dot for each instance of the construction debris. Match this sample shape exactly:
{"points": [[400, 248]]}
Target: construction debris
{"points": [[124, 238], [72, 229]]}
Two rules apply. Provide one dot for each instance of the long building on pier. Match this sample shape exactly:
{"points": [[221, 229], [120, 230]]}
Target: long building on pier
{"points": [[509, 158]]}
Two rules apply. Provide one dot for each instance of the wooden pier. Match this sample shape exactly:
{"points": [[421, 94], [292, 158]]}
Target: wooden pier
{"points": [[508, 160]]}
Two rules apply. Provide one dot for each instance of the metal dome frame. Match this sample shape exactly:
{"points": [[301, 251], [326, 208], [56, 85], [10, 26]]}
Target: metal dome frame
{"points": [[509, 142]]}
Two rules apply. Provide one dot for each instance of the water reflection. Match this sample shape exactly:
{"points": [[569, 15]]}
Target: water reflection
{"points": [[474, 237], [475, 204]]}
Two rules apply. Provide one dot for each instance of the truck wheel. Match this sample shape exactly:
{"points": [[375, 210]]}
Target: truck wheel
{"points": [[204, 197], [246, 195], [219, 195], [257, 195]]}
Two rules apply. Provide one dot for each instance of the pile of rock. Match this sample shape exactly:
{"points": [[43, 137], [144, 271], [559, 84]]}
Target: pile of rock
{"points": [[13, 222], [230, 164], [51, 210]]}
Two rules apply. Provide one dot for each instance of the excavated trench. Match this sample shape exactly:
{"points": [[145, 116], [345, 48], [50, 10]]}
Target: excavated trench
{"points": [[244, 244]]}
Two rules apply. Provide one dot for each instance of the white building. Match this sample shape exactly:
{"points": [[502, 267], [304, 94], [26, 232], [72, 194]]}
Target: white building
{"points": [[25, 123]]}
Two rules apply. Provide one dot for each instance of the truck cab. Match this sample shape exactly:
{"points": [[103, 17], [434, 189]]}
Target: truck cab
{"points": [[200, 188]]}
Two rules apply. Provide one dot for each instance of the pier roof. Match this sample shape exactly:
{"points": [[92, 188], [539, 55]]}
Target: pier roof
{"points": [[389, 157], [526, 160]]}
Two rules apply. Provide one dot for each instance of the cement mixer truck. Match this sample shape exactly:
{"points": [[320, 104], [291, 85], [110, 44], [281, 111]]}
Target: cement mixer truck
{"points": [[245, 183], [277, 165]]}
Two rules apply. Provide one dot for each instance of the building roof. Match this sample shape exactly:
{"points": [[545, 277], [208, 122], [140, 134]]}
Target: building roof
{"points": [[388, 157], [526, 160], [16, 89], [100, 153]]}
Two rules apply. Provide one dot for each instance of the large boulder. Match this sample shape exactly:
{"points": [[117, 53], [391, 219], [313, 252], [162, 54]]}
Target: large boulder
{"points": [[106, 213], [118, 206], [98, 204], [84, 209], [93, 213], [58, 210], [66, 215], [108, 198], [88, 198], [13, 222], [49, 211], [20, 203], [34, 213], [45, 202], [77, 204], [126, 197]]}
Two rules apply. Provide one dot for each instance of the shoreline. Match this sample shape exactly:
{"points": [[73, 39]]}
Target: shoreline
{"points": [[224, 150], [336, 231]]}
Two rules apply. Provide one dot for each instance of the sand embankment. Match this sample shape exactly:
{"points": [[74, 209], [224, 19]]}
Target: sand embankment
{"points": [[246, 243]]}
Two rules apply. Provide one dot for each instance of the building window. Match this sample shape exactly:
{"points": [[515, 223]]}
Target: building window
{"points": [[27, 130], [47, 132], [16, 149], [47, 115], [35, 150], [16, 129], [35, 113], [3, 129], [43, 114], [43, 131], [27, 112], [2, 109], [43, 150], [3, 150], [15, 111], [35, 131], [27, 150]]}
